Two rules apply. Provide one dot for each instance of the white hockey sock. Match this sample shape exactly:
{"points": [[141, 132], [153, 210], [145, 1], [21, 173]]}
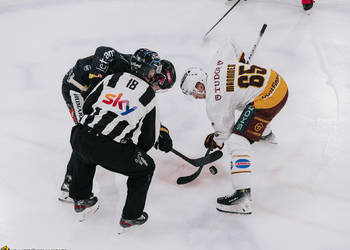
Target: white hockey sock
{"points": [[241, 171], [241, 162]]}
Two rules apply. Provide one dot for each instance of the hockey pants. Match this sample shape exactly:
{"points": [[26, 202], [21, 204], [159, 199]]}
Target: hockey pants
{"points": [[93, 149]]}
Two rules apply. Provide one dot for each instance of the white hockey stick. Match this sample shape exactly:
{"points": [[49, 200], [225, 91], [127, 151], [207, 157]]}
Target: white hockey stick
{"points": [[262, 31]]}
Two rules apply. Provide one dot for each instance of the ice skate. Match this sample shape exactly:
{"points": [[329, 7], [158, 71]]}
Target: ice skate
{"points": [[237, 203], [307, 4], [86, 208], [129, 224], [270, 138], [64, 197]]}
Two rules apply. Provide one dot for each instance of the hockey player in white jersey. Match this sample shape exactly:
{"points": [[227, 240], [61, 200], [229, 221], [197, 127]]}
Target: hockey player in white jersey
{"points": [[260, 93]]}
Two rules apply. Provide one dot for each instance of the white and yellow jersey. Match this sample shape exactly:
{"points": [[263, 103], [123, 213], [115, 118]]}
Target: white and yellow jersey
{"points": [[233, 85]]}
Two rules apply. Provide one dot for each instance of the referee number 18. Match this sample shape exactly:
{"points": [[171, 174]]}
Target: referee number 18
{"points": [[132, 84]]}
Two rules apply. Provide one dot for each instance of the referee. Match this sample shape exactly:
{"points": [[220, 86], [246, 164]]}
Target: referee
{"points": [[120, 124]]}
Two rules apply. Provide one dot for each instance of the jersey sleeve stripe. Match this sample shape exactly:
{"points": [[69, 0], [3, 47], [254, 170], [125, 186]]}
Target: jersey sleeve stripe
{"points": [[147, 97], [113, 81], [130, 134], [147, 137]]}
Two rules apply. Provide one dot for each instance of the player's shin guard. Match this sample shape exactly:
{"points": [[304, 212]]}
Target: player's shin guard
{"points": [[239, 201], [241, 171], [241, 162]]}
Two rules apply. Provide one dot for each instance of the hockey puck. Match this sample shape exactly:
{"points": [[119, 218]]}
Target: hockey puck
{"points": [[213, 170]]}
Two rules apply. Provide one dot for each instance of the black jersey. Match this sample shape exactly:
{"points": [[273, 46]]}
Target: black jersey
{"points": [[88, 71]]}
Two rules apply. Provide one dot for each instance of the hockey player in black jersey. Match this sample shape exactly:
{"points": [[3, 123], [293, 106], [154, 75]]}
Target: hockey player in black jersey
{"points": [[119, 126], [87, 72], [78, 83]]}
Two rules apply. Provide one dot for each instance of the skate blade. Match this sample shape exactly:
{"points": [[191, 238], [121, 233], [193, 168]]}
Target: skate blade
{"points": [[234, 209], [65, 199], [308, 12], [270, 141], [88, 212], [123, 230], [233, 212]]}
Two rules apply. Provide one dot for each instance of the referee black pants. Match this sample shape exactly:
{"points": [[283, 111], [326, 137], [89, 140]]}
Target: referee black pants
{"points": [[91, 149]]}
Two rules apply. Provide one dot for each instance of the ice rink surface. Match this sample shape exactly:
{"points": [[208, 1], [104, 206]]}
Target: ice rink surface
{"points": [[301, 185]]}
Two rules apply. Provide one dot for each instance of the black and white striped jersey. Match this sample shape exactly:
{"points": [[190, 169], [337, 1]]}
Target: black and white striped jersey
{"points": [[123, 107]]}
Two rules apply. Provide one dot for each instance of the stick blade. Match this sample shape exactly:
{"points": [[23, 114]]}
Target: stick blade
{"points": [[200, 162], [187, 179], [214, 156]]}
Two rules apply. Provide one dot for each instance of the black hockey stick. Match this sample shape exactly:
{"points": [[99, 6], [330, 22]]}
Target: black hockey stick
{"points": [[262, 31], [208, 158], [206, 34], [189, 178]]}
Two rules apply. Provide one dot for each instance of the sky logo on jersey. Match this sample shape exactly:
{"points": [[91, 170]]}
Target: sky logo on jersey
{"points": [[114, 100], [242, 163]]}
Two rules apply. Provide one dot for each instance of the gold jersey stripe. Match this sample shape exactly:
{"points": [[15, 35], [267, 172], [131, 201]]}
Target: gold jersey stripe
{"points": [[253, 132], [243, 171], [260, 119], [274, 92]]}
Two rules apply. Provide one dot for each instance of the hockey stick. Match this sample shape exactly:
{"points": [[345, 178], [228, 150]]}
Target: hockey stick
{"points": [[262, 31], [208, 158], [189, 178], [206, 34]]}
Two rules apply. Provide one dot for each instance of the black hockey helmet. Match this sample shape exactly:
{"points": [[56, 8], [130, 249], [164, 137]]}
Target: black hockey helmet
{"points": [[143, 61], [166, 79]]}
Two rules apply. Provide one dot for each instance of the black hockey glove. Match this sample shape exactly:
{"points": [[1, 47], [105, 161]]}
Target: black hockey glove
{"points": [[164, 143], [210, 143]]}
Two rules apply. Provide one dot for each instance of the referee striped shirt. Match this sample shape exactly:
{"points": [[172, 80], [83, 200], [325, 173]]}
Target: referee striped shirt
{"points": [[123, 107]]}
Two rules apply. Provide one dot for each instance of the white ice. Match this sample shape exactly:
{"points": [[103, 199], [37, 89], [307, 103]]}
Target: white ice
{"points": [[301, 185]]}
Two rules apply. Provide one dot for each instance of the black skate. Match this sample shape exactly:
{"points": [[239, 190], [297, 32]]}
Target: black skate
{"points": [[237, 203], [86, 208], [64, 197], [127, 224], [307, 4]]}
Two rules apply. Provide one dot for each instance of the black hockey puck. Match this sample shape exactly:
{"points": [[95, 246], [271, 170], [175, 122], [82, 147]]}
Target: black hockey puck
{"points": [[213, 170]]}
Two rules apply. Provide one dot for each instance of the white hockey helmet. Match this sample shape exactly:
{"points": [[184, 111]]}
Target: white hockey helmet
{"points": [[191, 77]]}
